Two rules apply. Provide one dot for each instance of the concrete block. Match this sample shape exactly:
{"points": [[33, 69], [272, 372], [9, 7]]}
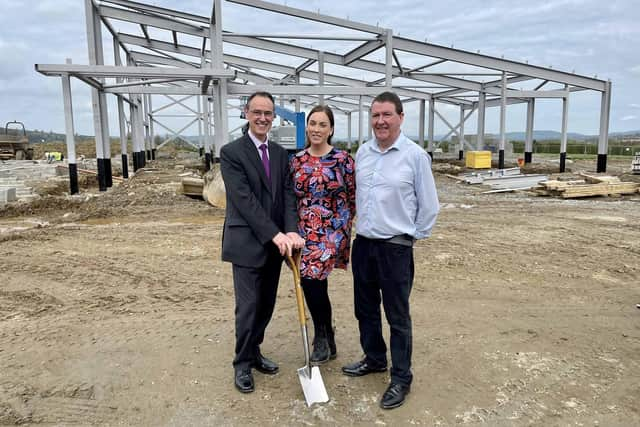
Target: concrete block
{"points": [[7, 195]]}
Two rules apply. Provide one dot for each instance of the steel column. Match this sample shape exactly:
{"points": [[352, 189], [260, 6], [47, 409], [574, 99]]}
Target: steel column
{"points": [[461, 134], [69, 131], [389, 59], [481, 111], [603, 140], [349, 131], [528, 144], [321, 75], [563, 135], [360, 120], [421, 123], [96, 104], [122, 125], [200, 136], [152, 135], [432, 113], [503, 117]]}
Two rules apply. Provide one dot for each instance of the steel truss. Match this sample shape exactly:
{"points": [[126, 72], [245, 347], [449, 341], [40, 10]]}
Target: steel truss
{"points": [[173, 53]]}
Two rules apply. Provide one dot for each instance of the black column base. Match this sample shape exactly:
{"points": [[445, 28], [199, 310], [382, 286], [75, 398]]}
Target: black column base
{"points": [[602, 163], [200, 151], [153, 154], [125, 166], [138, 160], [134, 156], [102, 181], [142, 160], [528, 156], [460, 154], [500, 159], [563, 162], [73, 178], [148, 154], [108, 173], [207, 162], [430, 154]]}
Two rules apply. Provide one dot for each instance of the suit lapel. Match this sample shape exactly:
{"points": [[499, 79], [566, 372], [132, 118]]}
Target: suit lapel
{"points": [[254, 158], [274, 162]]}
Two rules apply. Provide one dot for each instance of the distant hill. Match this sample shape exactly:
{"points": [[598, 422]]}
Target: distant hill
{"points": [[41, 136], [38, 136], [546, 135]]}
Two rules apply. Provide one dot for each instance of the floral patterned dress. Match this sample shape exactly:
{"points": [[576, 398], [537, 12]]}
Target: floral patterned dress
{"points": [[326, 191]]}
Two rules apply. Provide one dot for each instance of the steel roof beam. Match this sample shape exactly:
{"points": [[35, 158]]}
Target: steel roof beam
{"points": [[110, 71], [362, 51], [143, 7], [237, 89], [270, 66], [140, 83], [494, 83], [156, 90], [485, 61], [305, 14], [153, 21], [337, 59]]}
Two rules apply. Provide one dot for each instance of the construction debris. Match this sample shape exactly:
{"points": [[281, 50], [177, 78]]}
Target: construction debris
{"points": [[214, 191], [192, 186], [515, 182], [479, 177], [588, 187], [502, 180]]}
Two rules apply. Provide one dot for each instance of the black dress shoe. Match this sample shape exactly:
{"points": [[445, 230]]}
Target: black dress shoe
{"points": [[264, 365], [394, 396], [361, 368], [244, 381]]}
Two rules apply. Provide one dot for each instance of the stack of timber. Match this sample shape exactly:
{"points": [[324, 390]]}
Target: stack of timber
{"points": [[192, 186], [588, 187], [635, 164]]}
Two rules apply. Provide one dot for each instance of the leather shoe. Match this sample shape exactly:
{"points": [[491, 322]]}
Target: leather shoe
{"points": [[394, 396], [361, 368], [264, 365], [244, 381]]}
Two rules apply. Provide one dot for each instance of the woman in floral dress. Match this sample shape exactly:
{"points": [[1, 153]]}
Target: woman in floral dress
{"points": [[324, 183]]}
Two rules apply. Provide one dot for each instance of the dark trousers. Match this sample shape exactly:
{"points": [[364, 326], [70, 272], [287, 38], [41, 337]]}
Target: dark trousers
{"points": [[255, 294], [383, 271], [316, 295]]}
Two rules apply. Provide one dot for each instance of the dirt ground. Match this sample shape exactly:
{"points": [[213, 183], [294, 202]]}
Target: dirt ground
{"points": [[115, 309]]}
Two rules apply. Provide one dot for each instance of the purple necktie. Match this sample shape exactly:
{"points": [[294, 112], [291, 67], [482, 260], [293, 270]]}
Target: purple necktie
{"points": [[265, 160]]}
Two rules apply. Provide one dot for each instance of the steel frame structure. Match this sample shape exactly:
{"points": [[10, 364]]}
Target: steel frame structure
{"points": [[171, 53]]}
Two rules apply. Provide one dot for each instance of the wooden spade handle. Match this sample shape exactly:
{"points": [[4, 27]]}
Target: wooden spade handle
{"points": [[294, 264]]}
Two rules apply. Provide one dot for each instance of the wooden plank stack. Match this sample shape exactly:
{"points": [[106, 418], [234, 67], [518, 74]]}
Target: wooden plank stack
{"points": [[588, 187], [635, 164]]}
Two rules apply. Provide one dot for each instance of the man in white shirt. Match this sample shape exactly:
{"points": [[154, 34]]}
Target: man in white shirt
{"points": [[396, 203]]}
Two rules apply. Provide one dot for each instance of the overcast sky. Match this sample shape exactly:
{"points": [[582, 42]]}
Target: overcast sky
{"points": [[590, 37]]}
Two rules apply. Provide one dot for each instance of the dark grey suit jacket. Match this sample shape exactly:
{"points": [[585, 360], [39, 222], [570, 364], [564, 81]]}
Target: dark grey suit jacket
{"points": [[256, 210]]}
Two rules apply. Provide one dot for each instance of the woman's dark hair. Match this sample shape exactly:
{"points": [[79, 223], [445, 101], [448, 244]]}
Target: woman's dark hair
{"points": [[321, 109]]}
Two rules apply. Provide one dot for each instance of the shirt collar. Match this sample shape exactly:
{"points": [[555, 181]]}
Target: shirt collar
{"points": [[395, 146], [256, 141]]}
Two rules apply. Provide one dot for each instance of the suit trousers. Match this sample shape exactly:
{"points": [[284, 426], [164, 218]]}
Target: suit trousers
{"points": [[383, 271], [255, 296]]}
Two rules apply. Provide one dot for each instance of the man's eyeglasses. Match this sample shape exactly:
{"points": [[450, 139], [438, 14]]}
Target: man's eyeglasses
{"points": [[266, 114]]}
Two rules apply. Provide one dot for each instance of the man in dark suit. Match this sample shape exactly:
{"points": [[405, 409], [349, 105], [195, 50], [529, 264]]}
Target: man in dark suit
{"points": [[260, 228]]}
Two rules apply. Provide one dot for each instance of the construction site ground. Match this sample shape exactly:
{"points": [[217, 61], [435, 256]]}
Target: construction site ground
{"points": [[115, 309]]}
